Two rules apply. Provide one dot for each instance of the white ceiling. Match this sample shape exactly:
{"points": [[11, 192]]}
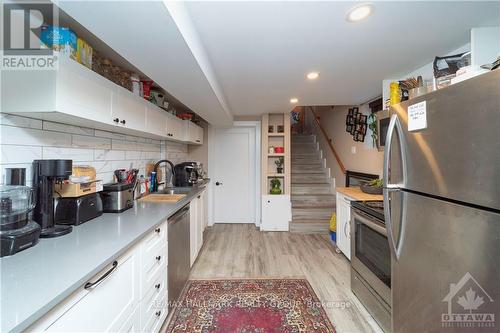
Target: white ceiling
{"points": [[247, 58], [261, 51]]}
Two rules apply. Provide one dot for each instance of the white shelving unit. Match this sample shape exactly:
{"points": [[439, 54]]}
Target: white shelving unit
{"points": [[276, 208]]}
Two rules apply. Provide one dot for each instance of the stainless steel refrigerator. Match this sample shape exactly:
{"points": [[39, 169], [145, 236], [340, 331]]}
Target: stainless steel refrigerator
{"points": [[442, 208]]}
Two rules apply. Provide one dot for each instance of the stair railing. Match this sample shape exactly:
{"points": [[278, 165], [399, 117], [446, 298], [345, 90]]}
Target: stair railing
{"points": [[329, 140]]}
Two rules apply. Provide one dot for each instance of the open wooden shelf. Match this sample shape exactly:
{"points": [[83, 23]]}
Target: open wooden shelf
{"points": [[276, 134], [277, 175], [276, 154]]}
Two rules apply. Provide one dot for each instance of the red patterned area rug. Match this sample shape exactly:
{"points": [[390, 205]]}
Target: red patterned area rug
{"points": [[249, 306]]}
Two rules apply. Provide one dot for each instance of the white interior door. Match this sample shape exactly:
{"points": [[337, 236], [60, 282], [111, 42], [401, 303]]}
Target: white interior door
{"points": [[234, 175]]}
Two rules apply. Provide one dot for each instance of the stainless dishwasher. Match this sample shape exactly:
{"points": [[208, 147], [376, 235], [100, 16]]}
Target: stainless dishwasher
{"points": [[178, 253]]}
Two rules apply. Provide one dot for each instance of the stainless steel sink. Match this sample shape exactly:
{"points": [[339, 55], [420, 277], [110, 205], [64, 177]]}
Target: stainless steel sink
{"points": [[176, 190]]}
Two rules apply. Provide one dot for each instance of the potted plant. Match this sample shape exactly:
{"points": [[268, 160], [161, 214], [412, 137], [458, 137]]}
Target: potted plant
{"points": [[279, 164], [372, 187], [275, 186]]}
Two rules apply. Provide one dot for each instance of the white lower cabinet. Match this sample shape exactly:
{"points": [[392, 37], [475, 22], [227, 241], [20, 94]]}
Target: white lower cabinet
{"points": [[103, 307], [276, 212], [344, 224], [197, 224], [131, 298]]}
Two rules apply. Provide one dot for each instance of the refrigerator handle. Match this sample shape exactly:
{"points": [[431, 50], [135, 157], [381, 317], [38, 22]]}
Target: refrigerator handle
{"points": [[394, 124]]}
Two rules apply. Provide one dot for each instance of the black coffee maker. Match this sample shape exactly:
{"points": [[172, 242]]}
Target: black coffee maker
{"points": [[46, 174], [185, 174]]}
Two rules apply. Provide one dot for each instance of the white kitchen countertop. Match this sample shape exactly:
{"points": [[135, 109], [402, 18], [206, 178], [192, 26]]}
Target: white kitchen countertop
{"points": [[35, 280]]}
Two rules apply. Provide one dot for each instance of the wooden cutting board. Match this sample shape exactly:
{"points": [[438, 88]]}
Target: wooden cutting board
{"points": [[166, 198], [150, 168]]}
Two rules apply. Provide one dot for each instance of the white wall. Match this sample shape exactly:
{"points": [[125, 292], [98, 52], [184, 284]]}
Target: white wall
{"points": [[24, 139], [366, 159]]}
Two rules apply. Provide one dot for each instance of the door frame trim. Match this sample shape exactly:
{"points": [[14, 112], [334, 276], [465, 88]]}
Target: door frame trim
{"points": [[210, 190]]}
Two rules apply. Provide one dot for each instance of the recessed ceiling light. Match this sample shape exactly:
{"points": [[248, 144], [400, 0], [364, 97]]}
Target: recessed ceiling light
{"points": [[360, 12], [294, 100], [312, 75]]}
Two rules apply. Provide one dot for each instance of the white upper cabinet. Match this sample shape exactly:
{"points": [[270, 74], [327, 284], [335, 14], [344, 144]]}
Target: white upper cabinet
{"points": [[156, 121], [75, 95], [81, 93], [194, 133], [175, 128], [128, 110]]}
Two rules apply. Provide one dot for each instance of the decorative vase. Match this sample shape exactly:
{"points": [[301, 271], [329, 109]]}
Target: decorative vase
{"points": [[279, 170]]}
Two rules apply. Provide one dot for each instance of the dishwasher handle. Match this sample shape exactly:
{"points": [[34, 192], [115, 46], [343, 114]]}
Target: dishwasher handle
{"points": [[179, 215]]}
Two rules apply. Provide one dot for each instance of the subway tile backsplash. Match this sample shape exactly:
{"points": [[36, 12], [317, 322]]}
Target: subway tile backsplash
{"points": [[24, 139]]}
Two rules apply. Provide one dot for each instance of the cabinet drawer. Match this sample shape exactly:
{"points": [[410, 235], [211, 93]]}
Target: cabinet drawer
{"points": [[155, 236], [115, 298], [154, 307], [152, 263]]}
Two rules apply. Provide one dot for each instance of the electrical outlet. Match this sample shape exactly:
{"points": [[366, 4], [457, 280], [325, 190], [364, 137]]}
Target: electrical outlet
{"points": [[353, 149]]}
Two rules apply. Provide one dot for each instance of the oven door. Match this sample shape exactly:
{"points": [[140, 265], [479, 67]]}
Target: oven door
{"points": [[370, 252]]}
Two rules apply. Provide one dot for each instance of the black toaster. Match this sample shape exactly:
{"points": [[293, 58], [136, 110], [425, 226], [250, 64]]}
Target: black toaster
{"points": [[78, 210]]}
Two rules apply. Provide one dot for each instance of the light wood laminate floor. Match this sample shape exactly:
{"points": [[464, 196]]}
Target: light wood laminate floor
{"points": [[242, 251]]}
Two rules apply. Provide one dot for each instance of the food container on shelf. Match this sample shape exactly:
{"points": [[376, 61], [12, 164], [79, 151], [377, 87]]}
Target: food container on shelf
{"points": [[146, 88], [279, 150], [271, 150], [84, 53], [60, 39]]}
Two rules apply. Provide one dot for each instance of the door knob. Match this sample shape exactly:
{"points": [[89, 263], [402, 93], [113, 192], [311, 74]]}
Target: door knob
{"points": [[218, 183]]}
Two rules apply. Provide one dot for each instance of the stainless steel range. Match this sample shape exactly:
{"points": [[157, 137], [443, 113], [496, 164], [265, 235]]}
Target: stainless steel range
{"points": [[371, 260]]}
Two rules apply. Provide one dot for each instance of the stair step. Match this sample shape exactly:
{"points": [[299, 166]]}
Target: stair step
{"points": [[304, 145], [310, 226], [308, 159], [309, 178], [305, 155], [311, 189], [312, 200], [317, 163], [308, 168], [314, 213], [302, 138]]}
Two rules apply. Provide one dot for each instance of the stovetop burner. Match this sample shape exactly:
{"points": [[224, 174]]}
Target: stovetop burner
{"points": [[375, 204], [374, 208]]}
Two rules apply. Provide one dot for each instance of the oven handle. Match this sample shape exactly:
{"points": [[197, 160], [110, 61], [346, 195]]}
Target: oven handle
{"points": [[365, 219]]}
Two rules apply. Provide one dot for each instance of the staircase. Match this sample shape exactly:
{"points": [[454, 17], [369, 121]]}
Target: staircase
{"points": [[313, 199]]}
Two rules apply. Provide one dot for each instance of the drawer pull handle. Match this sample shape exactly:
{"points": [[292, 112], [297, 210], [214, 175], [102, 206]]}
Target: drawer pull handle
{"points": [[158, 258], [123, 122], [116, 120], [157, 230], [89, 285], [158, 313], [157, 286]]}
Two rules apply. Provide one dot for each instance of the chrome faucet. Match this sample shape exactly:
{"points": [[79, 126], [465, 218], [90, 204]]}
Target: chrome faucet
{"points": [[155, 169]]}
